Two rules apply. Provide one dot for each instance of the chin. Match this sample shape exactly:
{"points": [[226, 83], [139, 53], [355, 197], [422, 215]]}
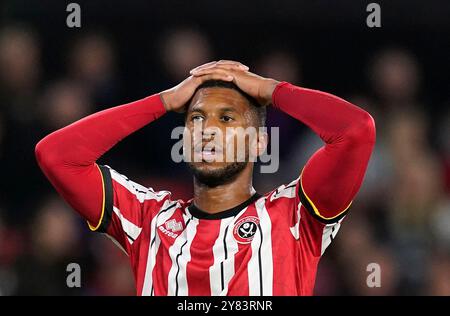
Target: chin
{"points": [[215, 174], [209, 166]]}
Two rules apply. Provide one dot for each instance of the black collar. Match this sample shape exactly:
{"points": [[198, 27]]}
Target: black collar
{"points": [[200, 214]]}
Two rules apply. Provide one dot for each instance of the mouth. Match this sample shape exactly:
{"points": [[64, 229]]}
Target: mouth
{"points": [[207, 154]]}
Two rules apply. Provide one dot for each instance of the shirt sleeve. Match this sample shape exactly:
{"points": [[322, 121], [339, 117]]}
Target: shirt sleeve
{"points": [[126, 207], [310, 229], [315, 231], [68, 158], [333, 175]]}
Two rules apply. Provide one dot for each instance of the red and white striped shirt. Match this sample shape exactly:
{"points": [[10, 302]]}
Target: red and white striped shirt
{"points": [[268, 245]]}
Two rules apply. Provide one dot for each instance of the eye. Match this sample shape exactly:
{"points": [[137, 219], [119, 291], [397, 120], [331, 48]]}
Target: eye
{"points": [[226, 118], [196, 118]]}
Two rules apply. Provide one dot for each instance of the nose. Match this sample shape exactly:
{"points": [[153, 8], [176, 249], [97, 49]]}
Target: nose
{"points": [[209, 130]]}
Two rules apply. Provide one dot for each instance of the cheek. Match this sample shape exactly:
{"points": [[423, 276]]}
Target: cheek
{"points": [[190, 139], [230, 140], [192, 134], [187, 137], [237, 145]]}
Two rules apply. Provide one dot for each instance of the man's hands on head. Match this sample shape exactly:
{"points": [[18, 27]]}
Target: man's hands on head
{"points": [[256, 86], [175, 99]]}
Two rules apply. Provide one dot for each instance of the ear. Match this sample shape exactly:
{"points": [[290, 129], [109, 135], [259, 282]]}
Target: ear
{"points": [[258, 142]]}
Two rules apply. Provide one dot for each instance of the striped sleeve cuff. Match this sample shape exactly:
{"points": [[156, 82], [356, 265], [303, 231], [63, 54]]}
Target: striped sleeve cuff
{"points": [[314, 211], [107, 201]]}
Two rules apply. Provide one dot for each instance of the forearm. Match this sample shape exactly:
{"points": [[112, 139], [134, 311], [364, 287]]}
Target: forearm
{"points": [[67, 156], [333, 175], [84, 141], [329, 116]]}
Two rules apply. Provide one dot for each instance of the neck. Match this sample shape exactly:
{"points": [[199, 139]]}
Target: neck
{"points": [[223, 197]]}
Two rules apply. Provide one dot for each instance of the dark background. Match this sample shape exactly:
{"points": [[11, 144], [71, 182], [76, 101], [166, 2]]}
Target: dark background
{"points": [[51, 75]]}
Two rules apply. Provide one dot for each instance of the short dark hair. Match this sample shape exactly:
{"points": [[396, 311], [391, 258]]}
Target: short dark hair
{"points": [[259, 110]]}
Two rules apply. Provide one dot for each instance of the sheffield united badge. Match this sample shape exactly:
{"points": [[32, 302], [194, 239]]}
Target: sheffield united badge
{"points": [[245, 229]]}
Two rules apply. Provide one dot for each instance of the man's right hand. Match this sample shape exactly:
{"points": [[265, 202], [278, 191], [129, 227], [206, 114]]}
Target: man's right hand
{"points": [[176, 98]]}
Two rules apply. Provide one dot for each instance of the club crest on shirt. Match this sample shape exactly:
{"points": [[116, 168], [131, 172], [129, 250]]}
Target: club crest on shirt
{"points": [[245, 229]]}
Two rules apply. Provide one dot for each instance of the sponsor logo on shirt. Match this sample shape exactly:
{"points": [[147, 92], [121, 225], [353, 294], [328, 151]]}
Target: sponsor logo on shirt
{"points": [[171, 227]]}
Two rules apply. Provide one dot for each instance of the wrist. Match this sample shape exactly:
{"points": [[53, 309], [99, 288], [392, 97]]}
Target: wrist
{"points": [[276, 93], [268, 89], [165, 99]]}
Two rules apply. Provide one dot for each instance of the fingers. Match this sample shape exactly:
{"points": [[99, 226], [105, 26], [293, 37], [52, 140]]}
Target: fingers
{"points": [[212, 76], [205, 65], [232, 64], [216, 69], [213, 70], [224, 64]]}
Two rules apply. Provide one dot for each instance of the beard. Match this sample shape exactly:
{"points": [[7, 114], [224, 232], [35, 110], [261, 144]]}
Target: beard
{"points": [[220, 176]]}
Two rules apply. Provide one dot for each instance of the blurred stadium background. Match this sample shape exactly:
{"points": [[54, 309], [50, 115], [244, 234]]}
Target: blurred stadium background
{"points": [[51, 75]]}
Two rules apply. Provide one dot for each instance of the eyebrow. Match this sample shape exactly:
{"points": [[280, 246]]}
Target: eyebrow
{"points": [[228, 109], [223, 109], [195, 109]]}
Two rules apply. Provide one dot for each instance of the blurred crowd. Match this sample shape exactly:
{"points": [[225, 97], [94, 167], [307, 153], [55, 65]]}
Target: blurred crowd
{"points": [[400, 219]]}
